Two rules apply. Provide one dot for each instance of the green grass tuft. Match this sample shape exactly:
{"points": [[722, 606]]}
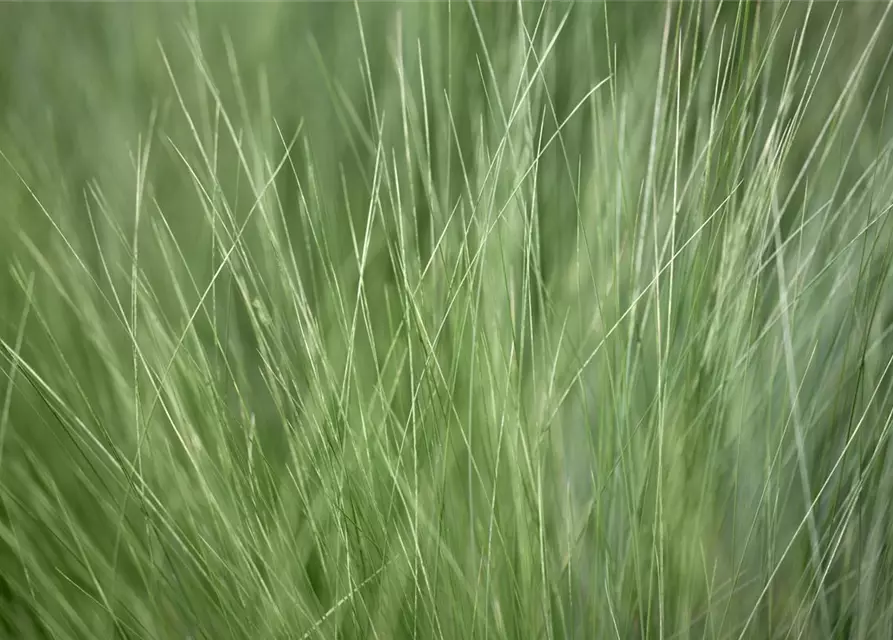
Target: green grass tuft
{"points": [[446, 320]]}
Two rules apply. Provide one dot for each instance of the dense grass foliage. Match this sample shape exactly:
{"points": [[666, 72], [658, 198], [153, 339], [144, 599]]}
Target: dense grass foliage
{"points": [[443, 320]]}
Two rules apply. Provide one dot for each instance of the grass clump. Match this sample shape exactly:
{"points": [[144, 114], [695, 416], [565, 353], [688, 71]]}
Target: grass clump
{"points": [[445, 320]]}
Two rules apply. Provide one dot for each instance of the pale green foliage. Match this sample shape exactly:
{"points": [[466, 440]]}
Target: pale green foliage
{"points": [[440, 320]]}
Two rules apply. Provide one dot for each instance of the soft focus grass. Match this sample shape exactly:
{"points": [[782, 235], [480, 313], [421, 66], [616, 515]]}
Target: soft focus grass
{"points": [[448, 321]]}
